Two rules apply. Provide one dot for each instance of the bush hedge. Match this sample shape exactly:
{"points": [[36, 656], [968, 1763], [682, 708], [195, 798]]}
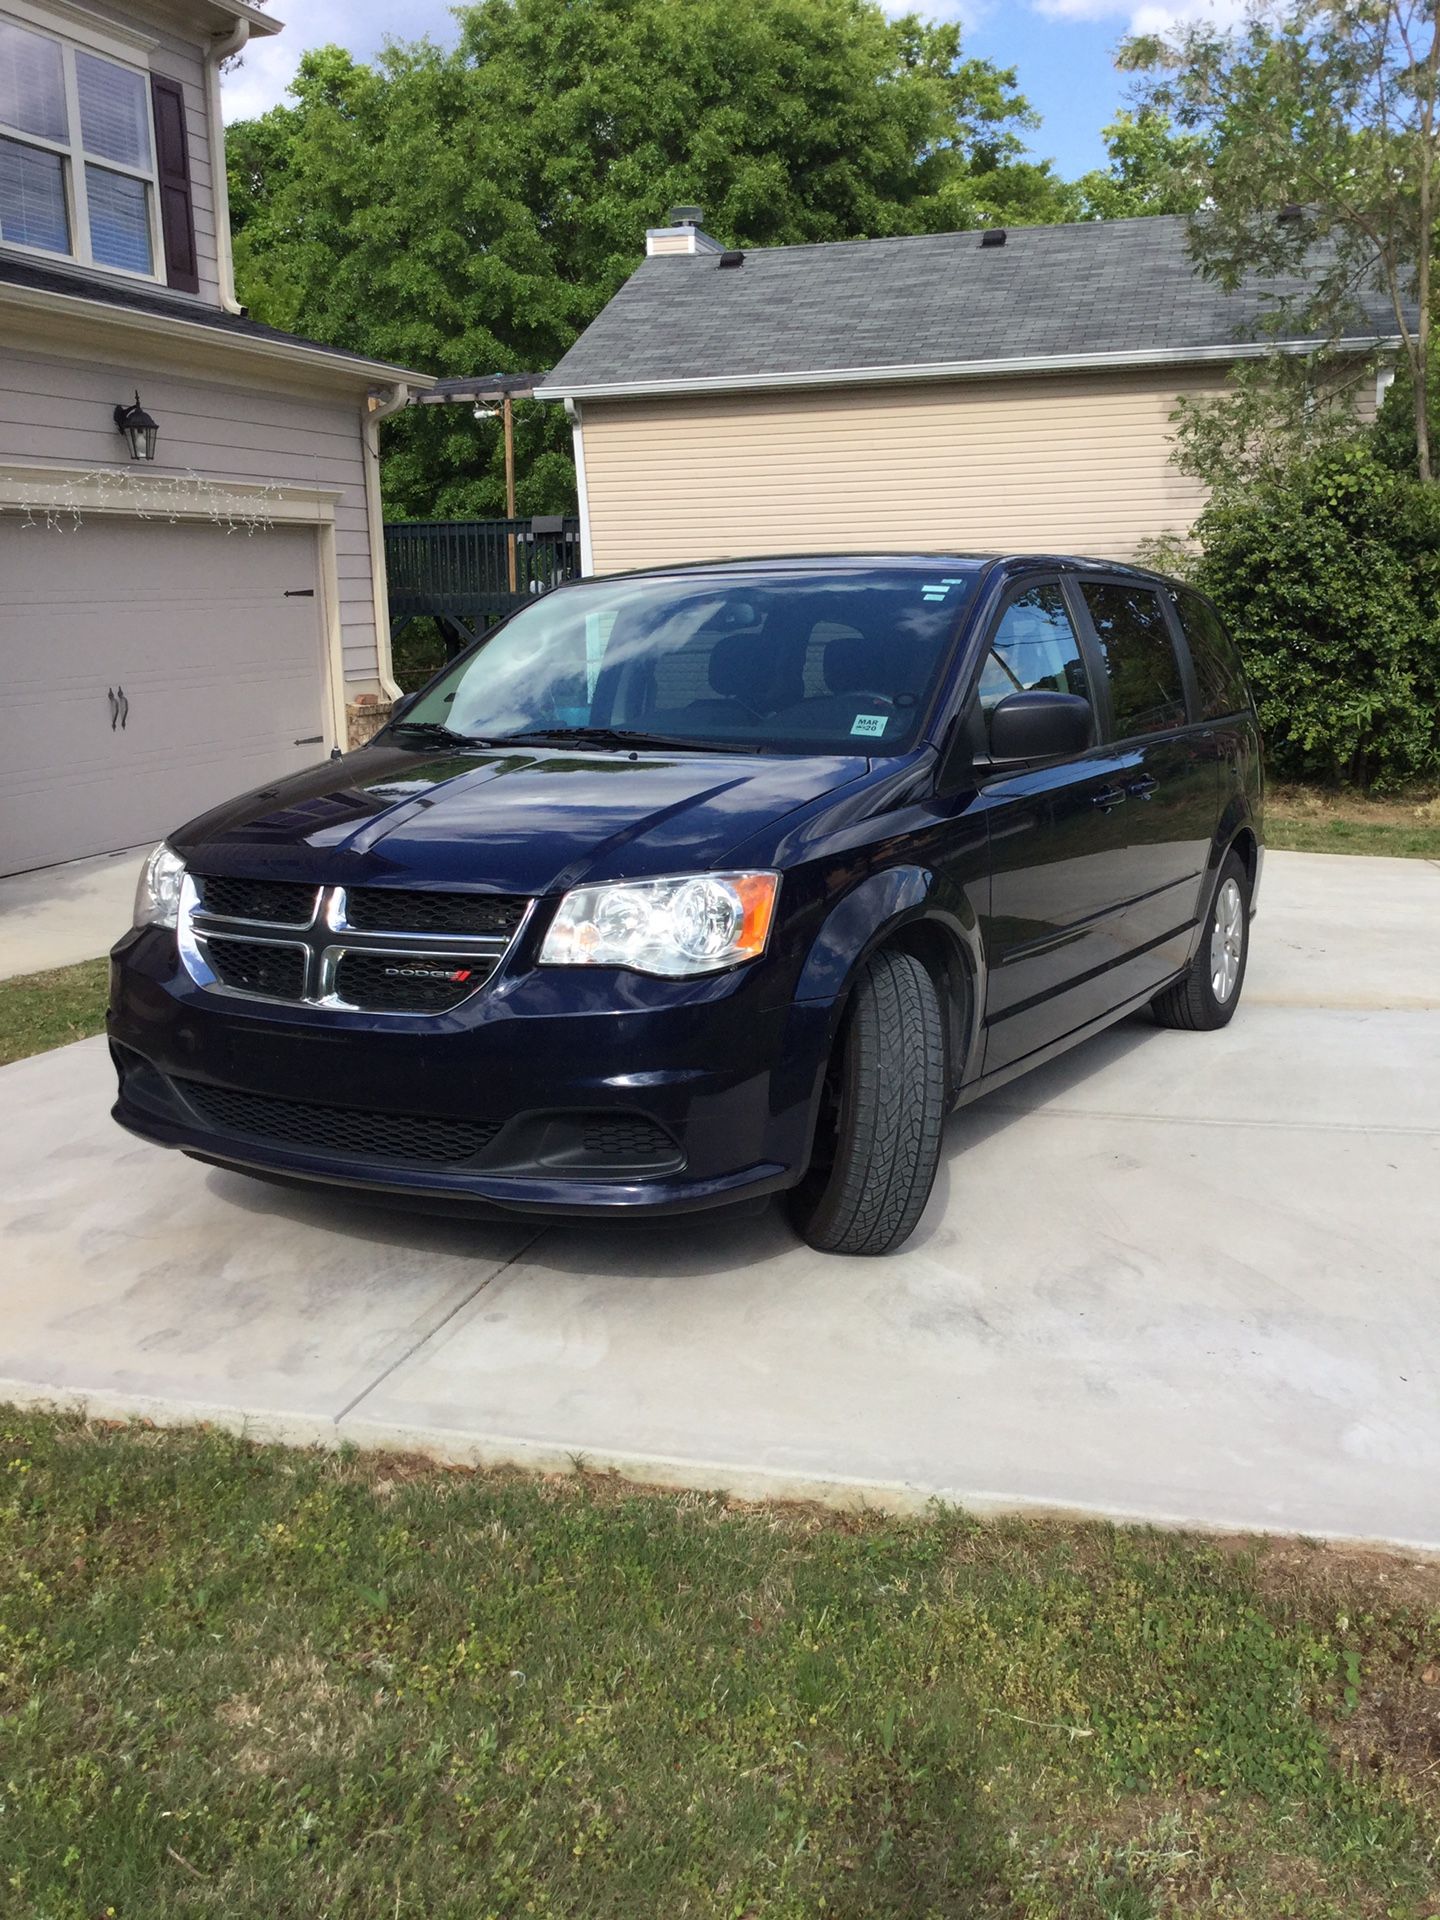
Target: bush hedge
{"points": [[1329, 577]]}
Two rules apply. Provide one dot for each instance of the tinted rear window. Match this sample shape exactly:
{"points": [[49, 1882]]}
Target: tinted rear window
{"points": [[1219, 672], [1146, 690]]}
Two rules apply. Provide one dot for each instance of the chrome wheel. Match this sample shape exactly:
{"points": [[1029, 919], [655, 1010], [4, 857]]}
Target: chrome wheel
{"points": [[1227, 941]]}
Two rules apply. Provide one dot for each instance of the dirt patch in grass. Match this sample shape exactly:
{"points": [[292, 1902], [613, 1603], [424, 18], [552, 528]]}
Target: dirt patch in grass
{"points": [[1310, 820]]}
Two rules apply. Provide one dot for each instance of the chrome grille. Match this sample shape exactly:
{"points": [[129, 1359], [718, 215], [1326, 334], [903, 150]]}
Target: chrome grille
{"points": [[408, 982], [280, 902], [402, 910], [261, 967], [328, 960]]}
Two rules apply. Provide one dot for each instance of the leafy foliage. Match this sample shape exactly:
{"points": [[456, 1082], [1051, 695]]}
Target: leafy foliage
{"points": [[1329, 107], [470, 210], [1153, 169], [1272, 412], [1328, 574]]}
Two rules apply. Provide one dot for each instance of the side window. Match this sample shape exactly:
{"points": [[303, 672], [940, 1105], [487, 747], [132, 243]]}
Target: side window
{"points": [[1146, 689], [1034, 645], [1219, 673]]}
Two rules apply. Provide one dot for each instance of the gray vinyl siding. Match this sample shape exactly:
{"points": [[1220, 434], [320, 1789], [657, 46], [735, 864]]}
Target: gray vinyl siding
{"points": [[58, 412]]}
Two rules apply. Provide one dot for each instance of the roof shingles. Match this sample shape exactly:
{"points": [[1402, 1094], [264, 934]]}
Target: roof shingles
{"points": [[1098, 287]]}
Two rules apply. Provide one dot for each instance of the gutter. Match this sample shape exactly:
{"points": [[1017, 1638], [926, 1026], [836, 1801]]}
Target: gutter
{"points": [[170, 326], [577, 441], [222, 47], [378, 408], [1115, 361]]}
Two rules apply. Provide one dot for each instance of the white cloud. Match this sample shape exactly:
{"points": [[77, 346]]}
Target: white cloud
{"points": [[1146, 19], [361, 25]]}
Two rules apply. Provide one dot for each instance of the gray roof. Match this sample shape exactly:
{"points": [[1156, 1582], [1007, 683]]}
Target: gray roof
{"points": [[42, 277], [1117, 290]]}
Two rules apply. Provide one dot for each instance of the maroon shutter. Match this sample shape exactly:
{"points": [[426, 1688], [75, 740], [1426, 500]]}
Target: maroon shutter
{"points": [[172, 160]]}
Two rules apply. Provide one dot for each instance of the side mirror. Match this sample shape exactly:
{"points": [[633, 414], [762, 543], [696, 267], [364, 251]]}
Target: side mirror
{"points": [[1039, 725], [402, 706]]}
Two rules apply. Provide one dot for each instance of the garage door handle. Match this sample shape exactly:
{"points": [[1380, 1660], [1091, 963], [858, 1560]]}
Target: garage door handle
{"points": [[299, 593], [1144, 787], [1109, 797], [114, 707], [310, 740], [124, 706]]}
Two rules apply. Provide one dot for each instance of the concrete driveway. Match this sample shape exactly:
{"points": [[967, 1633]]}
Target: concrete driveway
{"points": [[1173, 1277]]}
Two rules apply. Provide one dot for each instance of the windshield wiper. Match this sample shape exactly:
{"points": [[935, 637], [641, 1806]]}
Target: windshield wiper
{"points": [[436, 733], [624, 737]]}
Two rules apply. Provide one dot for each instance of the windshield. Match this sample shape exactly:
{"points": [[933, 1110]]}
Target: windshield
{"points": [[803, 662]]}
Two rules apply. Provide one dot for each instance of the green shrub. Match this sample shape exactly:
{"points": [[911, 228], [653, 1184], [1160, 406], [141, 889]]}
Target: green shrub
{"points": [[1329, 577]]}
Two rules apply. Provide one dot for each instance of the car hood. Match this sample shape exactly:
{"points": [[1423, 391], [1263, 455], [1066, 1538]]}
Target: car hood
{"points": [[532, 820]]}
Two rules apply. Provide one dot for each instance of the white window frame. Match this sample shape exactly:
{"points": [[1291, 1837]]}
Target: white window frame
{"points": [[75, 160]]}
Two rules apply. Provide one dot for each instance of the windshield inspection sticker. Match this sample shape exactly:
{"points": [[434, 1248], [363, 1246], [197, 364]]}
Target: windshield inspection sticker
{"points": [[869, 723]]}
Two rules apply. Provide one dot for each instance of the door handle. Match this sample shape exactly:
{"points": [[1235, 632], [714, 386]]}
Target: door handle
{"points": [[1109, 797], [114, 707], [310, 740], [124, 705], [1144, 786]]}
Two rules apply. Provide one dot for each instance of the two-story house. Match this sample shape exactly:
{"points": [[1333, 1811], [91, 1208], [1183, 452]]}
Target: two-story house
{"points": [[192, 593]]}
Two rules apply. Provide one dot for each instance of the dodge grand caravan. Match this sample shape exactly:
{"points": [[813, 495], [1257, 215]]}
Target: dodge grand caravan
{"points": [[687, 887]]}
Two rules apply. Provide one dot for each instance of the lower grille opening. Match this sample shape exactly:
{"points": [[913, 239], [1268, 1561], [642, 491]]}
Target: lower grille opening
{"points": [[396, 983], [400, 1139], [252, 966], [626, 1138]]}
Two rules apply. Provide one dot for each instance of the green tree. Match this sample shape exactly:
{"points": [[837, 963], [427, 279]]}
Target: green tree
{"points": [[1329, 107], [1152, 169], [471, 209]]}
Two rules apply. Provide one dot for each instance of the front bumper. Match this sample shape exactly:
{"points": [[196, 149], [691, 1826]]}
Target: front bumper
{"points": [[708, 1086]]}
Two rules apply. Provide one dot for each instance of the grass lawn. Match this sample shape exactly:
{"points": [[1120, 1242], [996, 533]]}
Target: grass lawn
{"points": [[41, 1010], [241, 1681], [1306, 820]]}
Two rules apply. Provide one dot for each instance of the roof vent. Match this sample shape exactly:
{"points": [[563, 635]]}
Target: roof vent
{"points": [[732, 257], [684, 216], [993, 237]]}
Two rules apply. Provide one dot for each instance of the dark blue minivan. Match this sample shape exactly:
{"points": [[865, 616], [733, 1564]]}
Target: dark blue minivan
{"points": [[686, 887]]}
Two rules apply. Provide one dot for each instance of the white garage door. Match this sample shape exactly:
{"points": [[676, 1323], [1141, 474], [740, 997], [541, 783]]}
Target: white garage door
{"points": [[148, 671]]}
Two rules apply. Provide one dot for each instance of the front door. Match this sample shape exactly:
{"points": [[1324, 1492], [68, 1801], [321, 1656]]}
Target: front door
{"points": [[1060, 877]]}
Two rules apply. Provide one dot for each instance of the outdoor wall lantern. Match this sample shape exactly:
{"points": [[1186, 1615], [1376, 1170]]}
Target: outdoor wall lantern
{"points": [[139, 429]]}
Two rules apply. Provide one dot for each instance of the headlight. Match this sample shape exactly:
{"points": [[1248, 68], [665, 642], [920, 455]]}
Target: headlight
{"points": [[694, 923], [157, 898]]}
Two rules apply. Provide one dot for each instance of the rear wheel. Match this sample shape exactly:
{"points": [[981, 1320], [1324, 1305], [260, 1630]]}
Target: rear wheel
{"points": [[1206, 995], [877, 1145]]}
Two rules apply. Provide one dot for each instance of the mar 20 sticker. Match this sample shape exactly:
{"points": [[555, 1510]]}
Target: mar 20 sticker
{"points": [[870, 724]]}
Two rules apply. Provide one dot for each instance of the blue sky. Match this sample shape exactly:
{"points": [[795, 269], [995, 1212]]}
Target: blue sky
{"points": [[1060, 49]]}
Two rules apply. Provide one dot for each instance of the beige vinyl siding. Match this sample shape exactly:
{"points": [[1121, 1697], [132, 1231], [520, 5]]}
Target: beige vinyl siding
{"points": [[59, 412], [1071, 463]]}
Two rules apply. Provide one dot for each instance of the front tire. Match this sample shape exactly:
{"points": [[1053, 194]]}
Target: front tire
{"points": [[877, 1145], [1208, 992]]}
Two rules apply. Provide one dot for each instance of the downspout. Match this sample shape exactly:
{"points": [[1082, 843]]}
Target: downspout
{"points": [[222, 48], [577, 435], [378, 408]]}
